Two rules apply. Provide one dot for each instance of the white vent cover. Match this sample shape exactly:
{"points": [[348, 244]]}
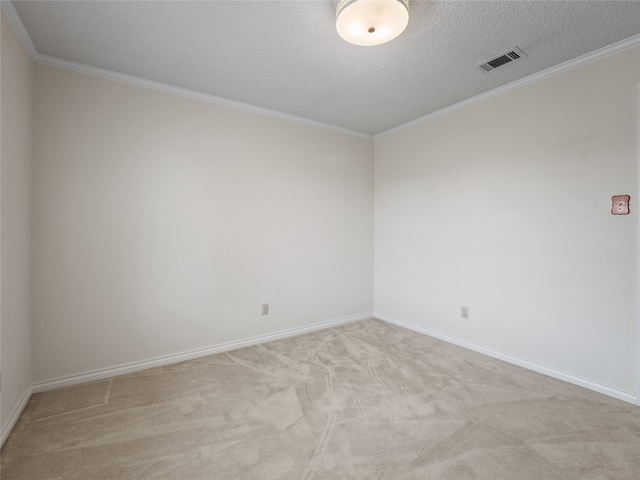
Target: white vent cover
{"points": [[507, 57]]}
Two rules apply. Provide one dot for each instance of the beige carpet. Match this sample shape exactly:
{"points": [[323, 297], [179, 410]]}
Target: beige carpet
{"points": [[366, 400]]}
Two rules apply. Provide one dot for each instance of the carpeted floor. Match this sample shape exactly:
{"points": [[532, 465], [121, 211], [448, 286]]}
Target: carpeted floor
{"points": [[361, 401]]}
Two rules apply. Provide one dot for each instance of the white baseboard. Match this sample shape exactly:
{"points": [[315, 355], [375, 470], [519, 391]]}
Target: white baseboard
{"points": [[101, 374], [551, 372], [15, 415], [165, 360]]}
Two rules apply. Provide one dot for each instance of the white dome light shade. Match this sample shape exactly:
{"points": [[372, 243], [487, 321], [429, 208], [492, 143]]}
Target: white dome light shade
{"points": [[371, 22]]}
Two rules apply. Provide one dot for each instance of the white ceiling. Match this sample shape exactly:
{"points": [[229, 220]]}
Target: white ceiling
{"points": [[287, 56]]}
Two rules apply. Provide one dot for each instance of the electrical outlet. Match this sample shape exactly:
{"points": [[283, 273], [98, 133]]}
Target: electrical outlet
{"points": [[464, 312], [265, 309], [620, 204]]}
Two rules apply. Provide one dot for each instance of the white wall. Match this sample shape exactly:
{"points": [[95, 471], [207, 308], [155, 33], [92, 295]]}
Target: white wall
{"points": [[161, 224], [15, 191], [504, 207], [1, 416]]}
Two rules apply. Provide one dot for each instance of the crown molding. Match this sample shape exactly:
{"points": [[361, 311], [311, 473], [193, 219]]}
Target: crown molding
{"points": [[523, 82], [185, 92], [15, 21]]}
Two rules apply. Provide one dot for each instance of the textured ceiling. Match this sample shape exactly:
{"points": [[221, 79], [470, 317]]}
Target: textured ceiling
{"points": [[286, 55]]}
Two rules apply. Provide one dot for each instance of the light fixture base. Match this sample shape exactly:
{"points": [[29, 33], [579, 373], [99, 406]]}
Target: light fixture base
{"points": [[371, 22]]}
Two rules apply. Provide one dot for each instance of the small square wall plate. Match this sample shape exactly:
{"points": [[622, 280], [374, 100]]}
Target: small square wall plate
{"points": [[620, 204]]}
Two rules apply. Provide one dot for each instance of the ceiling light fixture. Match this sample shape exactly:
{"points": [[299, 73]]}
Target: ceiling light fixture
{"points": [[371, 22]]}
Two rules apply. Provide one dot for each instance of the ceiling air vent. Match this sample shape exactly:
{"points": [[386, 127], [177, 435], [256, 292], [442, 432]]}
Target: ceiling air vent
{"points": [[511, 56]]}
